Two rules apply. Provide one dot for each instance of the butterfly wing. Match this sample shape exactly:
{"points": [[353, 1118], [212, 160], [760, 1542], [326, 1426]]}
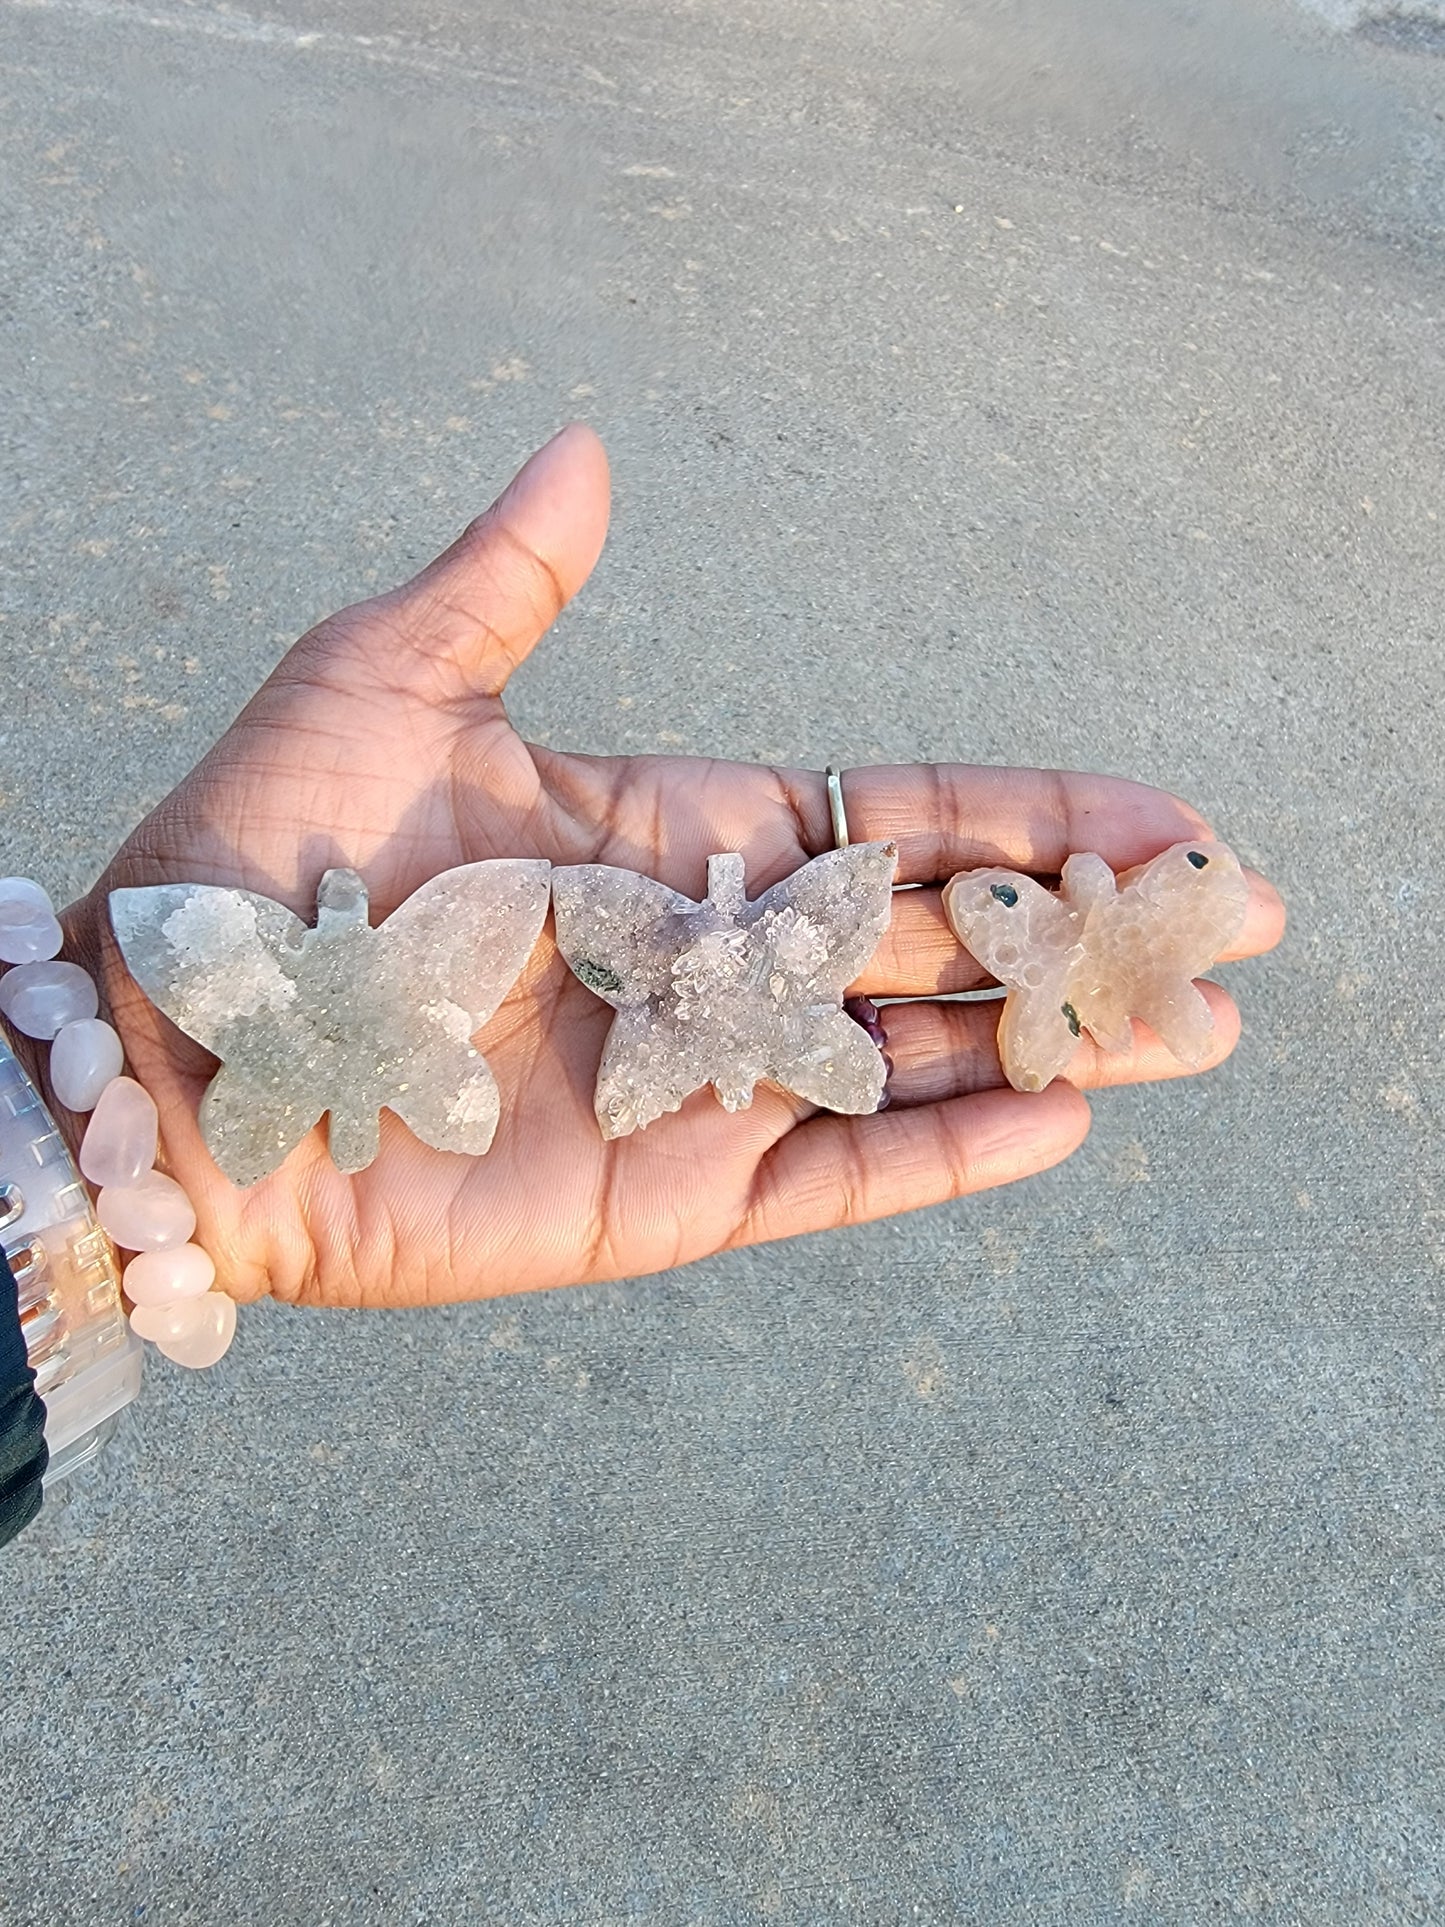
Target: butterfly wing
{"points": [[464, 936], [1188, 903], [838, 1067], [641, 1077], [1172, 918], [1028, 939], [210, 958], [1013, 926], [618, 931], [249, 1124], [846, 897], [452, 1102]]}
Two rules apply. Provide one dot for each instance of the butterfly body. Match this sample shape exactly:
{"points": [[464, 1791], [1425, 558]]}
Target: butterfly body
{"points": [[725, 991], [341, 1019], [1100, 951]]}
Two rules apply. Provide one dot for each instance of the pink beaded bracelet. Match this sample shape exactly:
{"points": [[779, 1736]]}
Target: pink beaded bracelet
{"points": [[169, 1279]]}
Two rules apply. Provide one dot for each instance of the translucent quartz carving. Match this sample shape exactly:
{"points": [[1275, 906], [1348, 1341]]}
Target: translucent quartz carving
{"points": [[341, 1018], [84, 1058], [42, 998], [1100, 952], [727, 992]]}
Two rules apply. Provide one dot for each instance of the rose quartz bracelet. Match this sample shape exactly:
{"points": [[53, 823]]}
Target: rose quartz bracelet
{"points": [[169, 1279]]}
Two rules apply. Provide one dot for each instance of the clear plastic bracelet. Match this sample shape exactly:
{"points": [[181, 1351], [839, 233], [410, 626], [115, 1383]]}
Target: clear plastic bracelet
{"points": [[87, 1363]]}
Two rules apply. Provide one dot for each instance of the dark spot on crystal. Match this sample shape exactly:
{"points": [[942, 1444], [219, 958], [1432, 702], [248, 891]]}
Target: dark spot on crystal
{"points": [[597, 976], [1198, 859], [1006, 894], [1073, 1017]]}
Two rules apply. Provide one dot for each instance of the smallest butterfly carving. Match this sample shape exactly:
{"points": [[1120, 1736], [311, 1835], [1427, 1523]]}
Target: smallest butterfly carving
{"points": [[1100, 951]]}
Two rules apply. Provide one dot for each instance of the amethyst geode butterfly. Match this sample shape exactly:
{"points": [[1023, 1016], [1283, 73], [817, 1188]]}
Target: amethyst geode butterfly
{"points": [[724, 991]]}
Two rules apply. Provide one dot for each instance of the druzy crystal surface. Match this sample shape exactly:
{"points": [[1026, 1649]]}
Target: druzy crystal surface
{"points": [[727, 992], [1100, 951], [342, 1018]]}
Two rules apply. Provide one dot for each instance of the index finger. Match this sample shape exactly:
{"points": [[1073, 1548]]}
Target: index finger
{"points": [[947, 817], [919, 955]]}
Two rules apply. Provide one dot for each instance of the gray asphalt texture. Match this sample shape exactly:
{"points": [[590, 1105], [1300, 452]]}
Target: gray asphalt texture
{"points": [[1050, 385]]}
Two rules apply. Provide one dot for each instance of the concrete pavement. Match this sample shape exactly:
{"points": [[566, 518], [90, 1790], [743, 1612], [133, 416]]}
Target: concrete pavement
{"points": [[1054, 386]]}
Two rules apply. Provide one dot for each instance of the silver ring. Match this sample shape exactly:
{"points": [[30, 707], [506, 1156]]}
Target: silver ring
{"points": [[835, 806]]}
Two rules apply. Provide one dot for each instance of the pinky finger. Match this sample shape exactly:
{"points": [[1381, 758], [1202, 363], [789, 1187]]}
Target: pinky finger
{"points": [[834, 1171]]}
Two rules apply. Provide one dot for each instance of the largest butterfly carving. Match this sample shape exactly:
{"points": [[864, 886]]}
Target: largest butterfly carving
{"points": [[342, 1018], [727, 992]]}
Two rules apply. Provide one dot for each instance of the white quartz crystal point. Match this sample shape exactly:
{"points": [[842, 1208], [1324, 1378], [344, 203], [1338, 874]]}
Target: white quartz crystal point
{"points": [[727, 992], [84, 1058], [342, 1018], [42, 998], [1100, 951], [194, 1332]]}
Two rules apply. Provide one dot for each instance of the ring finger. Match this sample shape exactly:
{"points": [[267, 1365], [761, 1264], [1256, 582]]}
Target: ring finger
{"points": [[951, 1050]]}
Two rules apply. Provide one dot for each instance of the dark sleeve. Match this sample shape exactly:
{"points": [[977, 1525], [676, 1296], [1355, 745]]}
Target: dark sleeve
{"points": [[23, 1457]]}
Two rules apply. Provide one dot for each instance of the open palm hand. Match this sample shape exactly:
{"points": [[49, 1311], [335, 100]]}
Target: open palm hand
{"points": [[381, 742]]}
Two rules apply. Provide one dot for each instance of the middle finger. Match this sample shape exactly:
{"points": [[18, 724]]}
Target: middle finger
{"points": [[919, 956]]}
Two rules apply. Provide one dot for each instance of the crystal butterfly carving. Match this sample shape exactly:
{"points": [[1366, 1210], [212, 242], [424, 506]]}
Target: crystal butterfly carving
{"points": [[727, 992], [1101, 951], [343, 1018]]}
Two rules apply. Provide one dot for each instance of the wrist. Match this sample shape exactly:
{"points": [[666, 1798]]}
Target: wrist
{"points": [[32, 1054], [73, 1064], [72, 1324]]}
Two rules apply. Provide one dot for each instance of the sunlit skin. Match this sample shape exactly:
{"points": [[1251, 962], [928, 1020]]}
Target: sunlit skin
{"points": [[382, 742]]}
